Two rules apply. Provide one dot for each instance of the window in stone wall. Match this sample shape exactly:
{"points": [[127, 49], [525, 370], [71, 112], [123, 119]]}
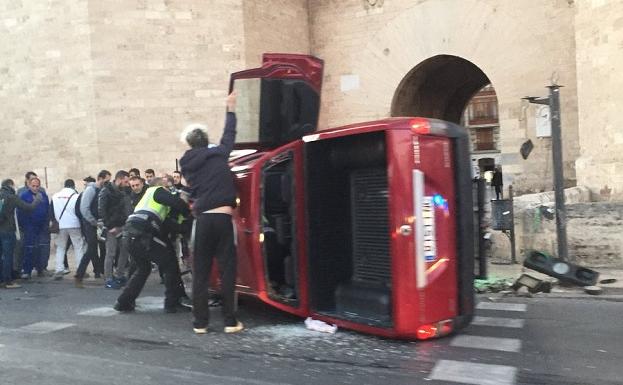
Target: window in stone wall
{"points": [[484, 139]]}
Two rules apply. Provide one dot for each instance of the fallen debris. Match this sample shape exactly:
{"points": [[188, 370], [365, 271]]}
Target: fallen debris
{"points": [[319, 326], [534, 285], [608, 281], [492, 285], [566, 272], [593, 290]]}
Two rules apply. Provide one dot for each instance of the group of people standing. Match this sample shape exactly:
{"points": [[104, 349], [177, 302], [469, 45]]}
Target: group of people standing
{"points": [[139, 221]]}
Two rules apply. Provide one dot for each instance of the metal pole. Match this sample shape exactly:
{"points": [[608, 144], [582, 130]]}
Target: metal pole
{"points": [[480, 214], [559, 192], [512, 229]]}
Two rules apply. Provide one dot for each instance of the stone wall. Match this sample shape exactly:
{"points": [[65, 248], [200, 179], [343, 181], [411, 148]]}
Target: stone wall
{"points": [[46, 118], [87, 85], [157, 66], [517, 44], [593, 228], [599, 32]]}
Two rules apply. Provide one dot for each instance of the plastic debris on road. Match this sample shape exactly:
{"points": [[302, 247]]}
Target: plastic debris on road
{"points": [[319, 326]]}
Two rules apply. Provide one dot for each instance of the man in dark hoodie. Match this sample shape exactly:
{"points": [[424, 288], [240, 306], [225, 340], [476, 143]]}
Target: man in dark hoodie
{"points": [[8, 202], [211, 183]]}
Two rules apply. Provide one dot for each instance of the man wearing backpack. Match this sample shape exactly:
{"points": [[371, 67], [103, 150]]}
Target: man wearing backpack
{"points": [[63, 204], [88, 210], [8, 202]]}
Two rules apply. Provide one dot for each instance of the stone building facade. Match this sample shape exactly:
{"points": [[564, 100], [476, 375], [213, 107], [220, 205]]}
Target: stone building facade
{"points": [[90, 84]]}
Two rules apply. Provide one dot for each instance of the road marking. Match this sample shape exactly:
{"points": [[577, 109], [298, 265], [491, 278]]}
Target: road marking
{"points": [[499, 322], [501, 306], [473, 373], [45, 327], [100, 312], [150, 303], [490, 343]]}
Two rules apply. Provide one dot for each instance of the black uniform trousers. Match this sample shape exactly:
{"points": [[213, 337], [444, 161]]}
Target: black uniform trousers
{"points": [[145, 248], [214, 238]]}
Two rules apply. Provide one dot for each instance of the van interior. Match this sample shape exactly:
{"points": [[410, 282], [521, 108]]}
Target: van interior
{"points": [[348, 228], [278, 224]]}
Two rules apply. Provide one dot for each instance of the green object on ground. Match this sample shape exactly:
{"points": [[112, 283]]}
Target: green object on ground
{"points": [[492, 284]]}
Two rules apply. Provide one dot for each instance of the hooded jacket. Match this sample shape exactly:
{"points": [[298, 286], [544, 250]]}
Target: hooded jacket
{"points": [[207, 171], [39, 216], [11, 202]]}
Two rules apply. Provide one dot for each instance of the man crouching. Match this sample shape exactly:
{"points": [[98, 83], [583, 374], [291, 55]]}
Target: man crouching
{"points": [[143, 233]]}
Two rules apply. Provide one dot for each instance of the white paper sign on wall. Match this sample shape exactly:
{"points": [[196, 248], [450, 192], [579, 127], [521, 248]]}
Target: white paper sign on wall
{"points": [[543, 123], [349, 83]]}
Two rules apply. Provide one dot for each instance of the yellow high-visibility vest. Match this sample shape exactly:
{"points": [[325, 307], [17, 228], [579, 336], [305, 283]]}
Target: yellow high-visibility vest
{"points": [[147, 203]]}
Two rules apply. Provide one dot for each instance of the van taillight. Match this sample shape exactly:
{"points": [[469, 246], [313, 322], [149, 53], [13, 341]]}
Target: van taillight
{"points": [[438, 329], [420, 126]]}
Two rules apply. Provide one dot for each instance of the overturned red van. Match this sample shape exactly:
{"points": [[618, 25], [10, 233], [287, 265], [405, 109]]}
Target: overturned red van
{"points": [[367, 226]]}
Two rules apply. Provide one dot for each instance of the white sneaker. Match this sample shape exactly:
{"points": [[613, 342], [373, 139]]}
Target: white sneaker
{"points": [[66, 271], [234, 329], [200, 330]]}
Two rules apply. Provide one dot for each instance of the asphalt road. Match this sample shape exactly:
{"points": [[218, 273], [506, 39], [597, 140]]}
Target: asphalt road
{"points": [[53, 334]]}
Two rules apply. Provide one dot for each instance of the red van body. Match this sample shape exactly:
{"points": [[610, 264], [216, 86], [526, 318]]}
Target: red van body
{"points": [[367, 226]]}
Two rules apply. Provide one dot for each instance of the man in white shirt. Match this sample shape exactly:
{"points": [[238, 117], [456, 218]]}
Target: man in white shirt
{"points": [[64, 205]]}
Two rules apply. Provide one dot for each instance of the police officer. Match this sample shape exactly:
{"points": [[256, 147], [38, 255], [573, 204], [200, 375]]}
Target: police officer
{"points": [[143, 231]]}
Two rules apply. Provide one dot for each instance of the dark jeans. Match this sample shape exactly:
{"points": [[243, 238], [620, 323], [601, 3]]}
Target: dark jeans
{"points": [[144, 249], [7, 241], [90, 235], [36, 248], [498, 192], [214, 238]]}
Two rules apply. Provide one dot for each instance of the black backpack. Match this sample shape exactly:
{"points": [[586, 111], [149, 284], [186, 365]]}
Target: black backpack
{"points": [[77, 207], [92, 207]]}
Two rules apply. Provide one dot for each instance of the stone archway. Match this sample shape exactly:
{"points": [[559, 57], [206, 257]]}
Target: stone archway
{"points": [[439, 87]]}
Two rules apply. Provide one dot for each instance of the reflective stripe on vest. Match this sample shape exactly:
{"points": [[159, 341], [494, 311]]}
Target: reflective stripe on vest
{"points": [[147, 203]]}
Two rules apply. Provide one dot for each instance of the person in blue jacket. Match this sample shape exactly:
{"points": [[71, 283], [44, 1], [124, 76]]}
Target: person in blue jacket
{"points": [[35, 226]]}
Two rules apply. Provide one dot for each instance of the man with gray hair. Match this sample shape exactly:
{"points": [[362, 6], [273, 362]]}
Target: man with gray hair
{"points": [[211, 183]]}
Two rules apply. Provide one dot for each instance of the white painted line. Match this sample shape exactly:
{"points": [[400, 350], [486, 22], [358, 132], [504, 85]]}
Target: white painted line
{"points": [[100, 312], [516, 323], [45, 327], [489, 343], [149, 303], [501, 306], [472, 373]]}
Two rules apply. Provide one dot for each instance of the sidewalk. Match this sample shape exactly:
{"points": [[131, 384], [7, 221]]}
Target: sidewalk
{"points": [[510, 272]]}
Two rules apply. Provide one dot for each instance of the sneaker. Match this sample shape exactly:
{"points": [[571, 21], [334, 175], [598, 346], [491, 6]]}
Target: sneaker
{"points": [[66, 271], [25, 276], [112, 284], [186, 302], [11, 285], [43, 273], [234, 329], [200, 330], [78, 283], [58, 275], [123, 308]]}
